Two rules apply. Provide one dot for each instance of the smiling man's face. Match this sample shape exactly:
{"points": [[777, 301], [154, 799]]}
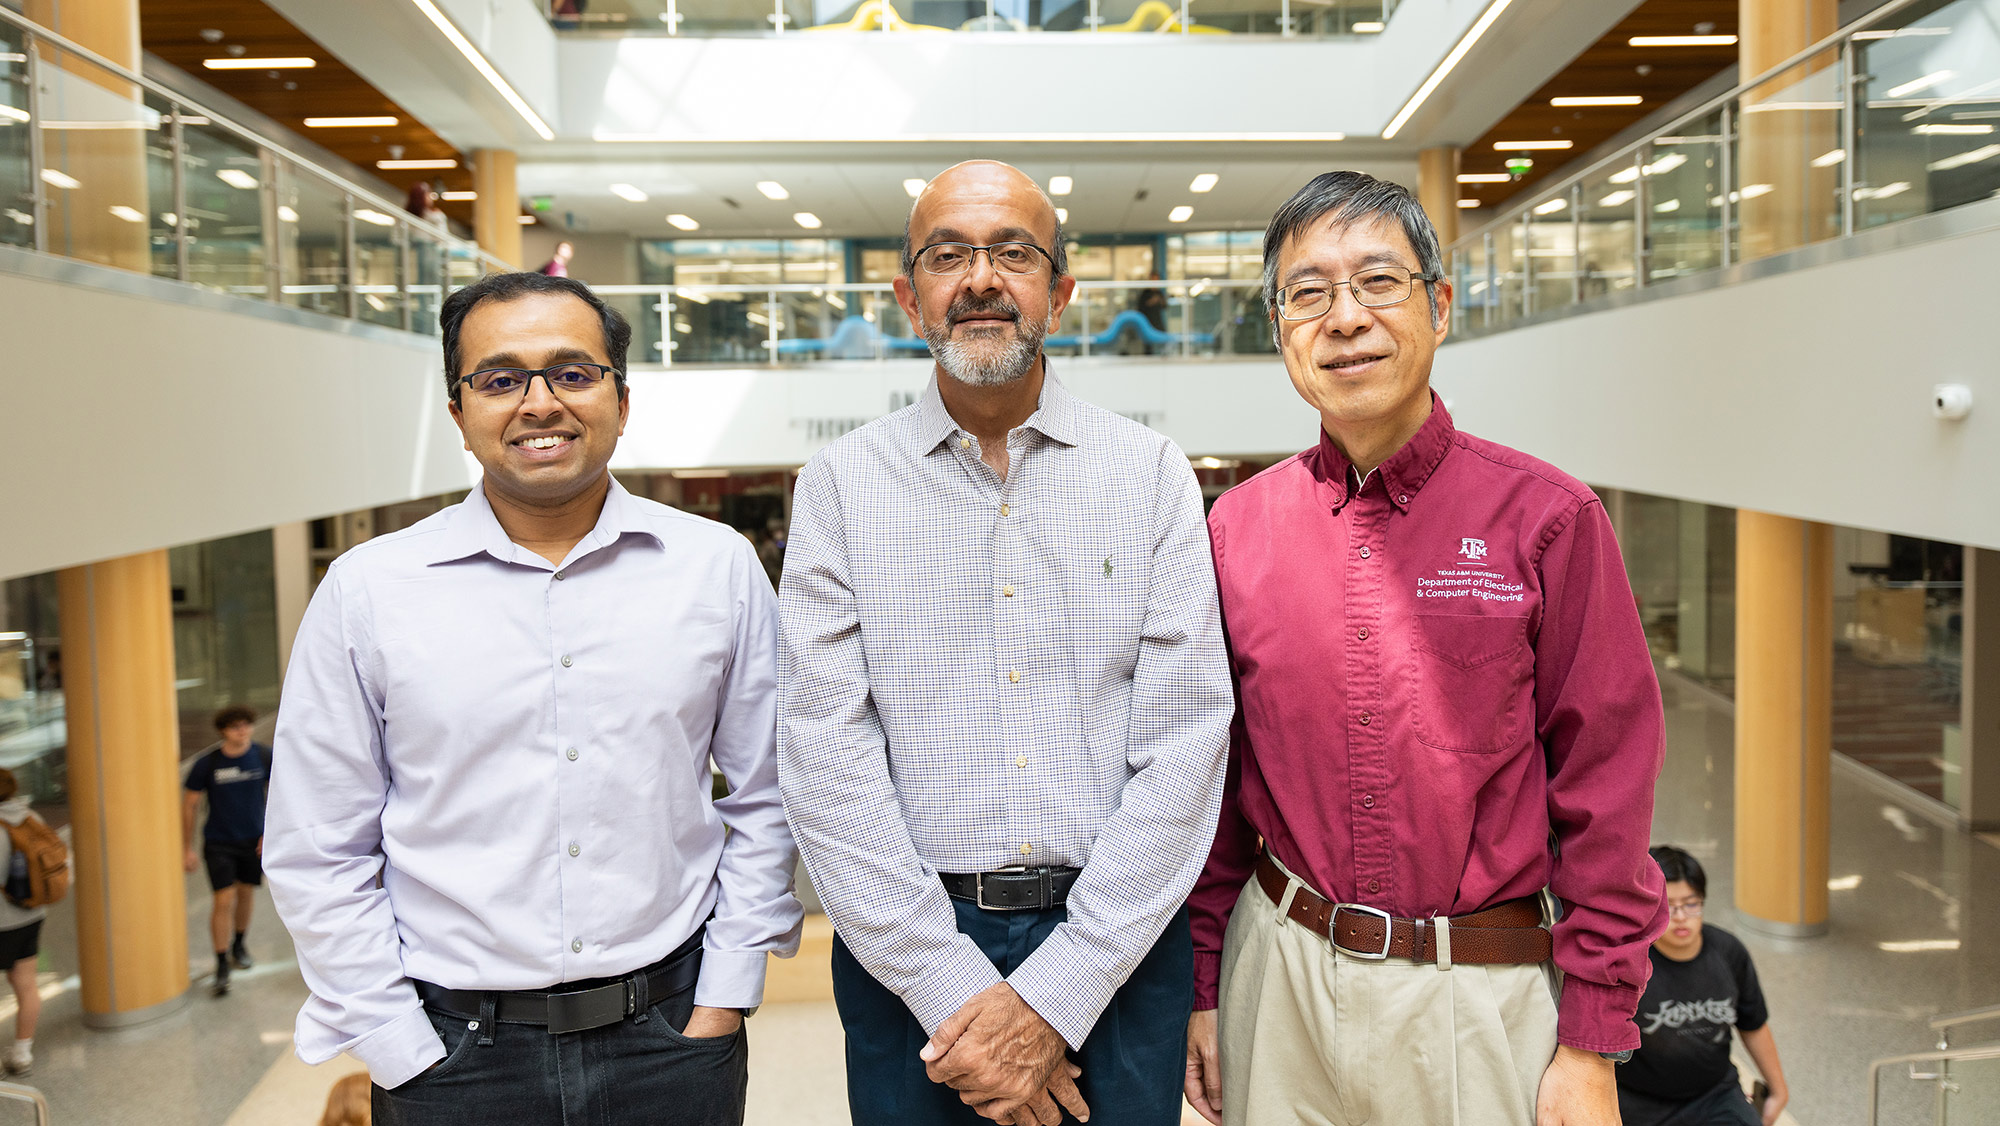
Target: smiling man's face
{"points": [[985, 326], [1358, 366], [542, 449]]}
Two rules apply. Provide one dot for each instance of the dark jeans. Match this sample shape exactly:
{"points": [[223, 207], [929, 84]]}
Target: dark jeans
{"points": [[633, 1073], [1724, 1105], [1132, 1061]]}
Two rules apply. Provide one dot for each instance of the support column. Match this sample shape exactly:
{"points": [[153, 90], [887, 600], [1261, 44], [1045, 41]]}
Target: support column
{"points": [[1437, 190], [1786, 202], [496, 214], [1979, 693], [124, 788], [1784, 721], [291, 573], [98, 213]]}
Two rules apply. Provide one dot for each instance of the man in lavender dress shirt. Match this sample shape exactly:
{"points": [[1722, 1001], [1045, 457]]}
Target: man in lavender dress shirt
{"points": [[493, 838]]}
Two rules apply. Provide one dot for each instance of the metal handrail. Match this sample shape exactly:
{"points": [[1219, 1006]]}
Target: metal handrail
{"points": [[37, 31], [816, 288], [1943, 1058], [21, 1092], [1969, 1016], [1630, 152]]}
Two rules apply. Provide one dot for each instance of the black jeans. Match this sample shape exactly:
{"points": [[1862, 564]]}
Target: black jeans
{"points": [[1723, 1105], [639, 1072], [1132, 1061]]}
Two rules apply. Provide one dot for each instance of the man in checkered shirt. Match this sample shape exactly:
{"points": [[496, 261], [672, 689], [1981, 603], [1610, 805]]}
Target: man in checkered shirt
{"points": [[1005, 706]]}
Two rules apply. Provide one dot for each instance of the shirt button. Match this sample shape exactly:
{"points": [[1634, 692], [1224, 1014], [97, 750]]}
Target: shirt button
{"points": [[965, 443], [1014, 676], [1006, 510], [576, 947], [572, 754], [560, 576], [1368, 801], [1365, 719], [1402, 498], [1008, 590], [565, 660], [1364, 553], [1021, 760], [1362, 633], [573, 848], [1026, 849], [1374, 885]]}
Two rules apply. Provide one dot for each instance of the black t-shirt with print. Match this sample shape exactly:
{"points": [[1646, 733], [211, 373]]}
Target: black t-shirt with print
{"points": [[1685, 1018]]}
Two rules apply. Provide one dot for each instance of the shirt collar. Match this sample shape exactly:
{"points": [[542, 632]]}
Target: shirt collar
{"points": [[1057, 415], [1406, 471], [474, 529]]}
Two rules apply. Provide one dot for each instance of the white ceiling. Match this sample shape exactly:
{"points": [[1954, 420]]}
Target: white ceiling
{"points": [[866, 198]]}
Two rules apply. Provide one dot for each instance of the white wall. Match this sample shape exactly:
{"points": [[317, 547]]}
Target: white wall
{"points": [[142, 423], [1805, 394]]}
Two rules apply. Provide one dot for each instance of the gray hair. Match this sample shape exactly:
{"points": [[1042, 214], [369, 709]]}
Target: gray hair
{"points": [[1346, 198]]}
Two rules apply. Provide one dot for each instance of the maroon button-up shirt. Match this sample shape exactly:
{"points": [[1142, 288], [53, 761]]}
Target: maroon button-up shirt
{"points": [[1435, 673]]}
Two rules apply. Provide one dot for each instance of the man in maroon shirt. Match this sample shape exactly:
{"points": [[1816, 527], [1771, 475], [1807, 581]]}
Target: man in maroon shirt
{"points": [[1446, 707]]}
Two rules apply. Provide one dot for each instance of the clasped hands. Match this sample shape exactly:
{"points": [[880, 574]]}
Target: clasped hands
{"points": [[1005, 1061]]}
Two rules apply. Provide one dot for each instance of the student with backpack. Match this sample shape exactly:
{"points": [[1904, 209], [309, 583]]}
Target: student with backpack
{"points": [[21, 915], [236, 776]]}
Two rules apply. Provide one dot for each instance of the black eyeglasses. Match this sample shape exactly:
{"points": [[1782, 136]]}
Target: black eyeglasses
{"points": [[1375, 287], [566, 379], [953, 258]]}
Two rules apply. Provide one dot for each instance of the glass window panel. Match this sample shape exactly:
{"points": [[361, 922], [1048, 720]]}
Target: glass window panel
{"points": [[378, 266], [161, 219], [1509, 273], [427, 287], [312, 244], [1683, 196], [880, 265], [96, 128], [17, 178], [1930, 115], [814, 261], [1785, 194], [223, 177], [1607, 212], [1552, 248]]}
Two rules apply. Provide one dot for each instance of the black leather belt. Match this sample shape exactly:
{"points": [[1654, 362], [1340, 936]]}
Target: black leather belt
{"points": [[1012, 889], [575, 1010]]}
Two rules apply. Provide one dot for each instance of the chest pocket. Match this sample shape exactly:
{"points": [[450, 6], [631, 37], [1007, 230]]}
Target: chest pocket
{"points": [[1470, 677]]}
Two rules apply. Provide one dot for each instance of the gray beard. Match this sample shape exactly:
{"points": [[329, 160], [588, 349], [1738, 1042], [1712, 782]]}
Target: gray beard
{"points": [[978, 364]]}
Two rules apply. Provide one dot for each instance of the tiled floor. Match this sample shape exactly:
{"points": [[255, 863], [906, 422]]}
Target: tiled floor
{"points": [[1915, 931]]}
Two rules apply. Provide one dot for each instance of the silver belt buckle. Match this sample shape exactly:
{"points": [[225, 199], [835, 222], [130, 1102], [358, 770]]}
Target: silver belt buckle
{"points": [[1388, 929], [979, 889]]}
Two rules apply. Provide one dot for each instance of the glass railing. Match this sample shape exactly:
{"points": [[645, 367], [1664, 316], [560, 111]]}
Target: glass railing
{"points": [[1895, 116], [1288, 18], [102, 165], [1949, 1087], [798, 324]]}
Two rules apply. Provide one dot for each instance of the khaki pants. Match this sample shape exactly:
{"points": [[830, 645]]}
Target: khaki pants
{"points": [[1310, 1034]]}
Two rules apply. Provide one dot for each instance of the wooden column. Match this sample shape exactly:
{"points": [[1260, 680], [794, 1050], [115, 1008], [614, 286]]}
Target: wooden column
{"points": [[1437, 190], [496, 214], [124, 788], [1784, 125], [1979, 693], [1784, 721]]}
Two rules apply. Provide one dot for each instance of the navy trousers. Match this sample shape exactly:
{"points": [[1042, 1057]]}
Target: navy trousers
{"points": [[1133, 1060]]}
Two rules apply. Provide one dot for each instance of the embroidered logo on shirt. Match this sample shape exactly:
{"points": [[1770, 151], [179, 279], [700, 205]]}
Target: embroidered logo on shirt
{"points": [[1472, 548]]}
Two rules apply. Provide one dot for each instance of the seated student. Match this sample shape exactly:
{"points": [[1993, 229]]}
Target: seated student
{"points": [[1702, 985]]}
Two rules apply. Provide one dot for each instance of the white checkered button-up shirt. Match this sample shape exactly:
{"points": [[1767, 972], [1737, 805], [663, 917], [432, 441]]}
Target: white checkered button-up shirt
{"points": [[978, 673]]}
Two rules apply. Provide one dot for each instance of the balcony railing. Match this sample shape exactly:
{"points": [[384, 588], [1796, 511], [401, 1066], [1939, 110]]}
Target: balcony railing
{"points": [[103, 165], [1895, 116], [798, 324], [1288, 18]]}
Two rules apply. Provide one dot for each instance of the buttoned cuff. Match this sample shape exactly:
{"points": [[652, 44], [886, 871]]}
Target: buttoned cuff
{"points": [[944, 989], [1069, 989], [731, 979], [1597, 1018], [1207, 981], [398, 1051]]}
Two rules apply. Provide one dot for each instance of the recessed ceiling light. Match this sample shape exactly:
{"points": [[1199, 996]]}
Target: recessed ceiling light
{"points": [[1829, 159], [1941, 130], [350, 122], [773, 189], [410, 165], [287, 215], [628, 192], [914, 187], [57, 179], [1204, 183], [1603, 100], [1062, 214], [1180, 214], [259, 64], [1368, 27], [1060, 185], [458, 197], [1550, 207], [683, 222], [1681, 41], [525, 220], [1669, 206], [367, 215], [1465, 203], [806, 219], [1617, 198], [1530, 146], [128, 214], [1483, 177], [237, 178]]}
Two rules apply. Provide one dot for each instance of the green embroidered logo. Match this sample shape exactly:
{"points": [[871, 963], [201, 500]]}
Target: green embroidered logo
{"points": [[1107, 566]]}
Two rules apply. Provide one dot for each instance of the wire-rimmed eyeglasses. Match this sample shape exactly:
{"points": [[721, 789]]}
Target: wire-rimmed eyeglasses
{"points": [[565, 379], [1691, 909], [949, 259], [1374, 287]]}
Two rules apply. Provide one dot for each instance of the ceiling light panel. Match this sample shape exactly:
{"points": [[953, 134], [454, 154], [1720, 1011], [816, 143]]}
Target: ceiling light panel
{"points": [[415, 165], [237, 178], [773, 189], [1180, 214], [1368, 27], [383, 122], [1061, 185], [1530, 146], [913, 187], [129, 214], [1598, 100], [1468, 203], [1681, 41], [1934, 78], [807, 220], [1483, 177], [1204, 183], [683, 222], [300, 63], [1062, 214], [458, 197], [628, 192], [57, 179]]}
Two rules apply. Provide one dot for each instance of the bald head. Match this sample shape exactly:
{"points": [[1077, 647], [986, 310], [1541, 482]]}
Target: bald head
{"points": [[989, 192]]}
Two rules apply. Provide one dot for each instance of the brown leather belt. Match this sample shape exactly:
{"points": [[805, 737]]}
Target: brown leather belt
{"points": [[1509, 934]]}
